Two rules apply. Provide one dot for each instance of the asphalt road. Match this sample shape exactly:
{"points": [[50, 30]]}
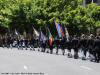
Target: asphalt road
{"points": [[26, 62]]}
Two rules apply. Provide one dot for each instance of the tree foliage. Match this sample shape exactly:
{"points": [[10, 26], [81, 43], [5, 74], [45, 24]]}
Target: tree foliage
{"points": [[24, 14]]}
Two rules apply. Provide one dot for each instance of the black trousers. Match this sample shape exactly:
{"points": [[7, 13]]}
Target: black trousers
{"points": [[75, 53]]}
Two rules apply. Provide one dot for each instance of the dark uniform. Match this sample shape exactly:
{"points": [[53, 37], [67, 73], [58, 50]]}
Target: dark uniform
{"points": [[69, 47], [90, 44], [63, 41], [3, 42], [97, 49], [8, 40], [83, 44], [18, 43], [75, 44], [57, 45], [26, 44], [22, 41], [43, 45], [31, 43]]}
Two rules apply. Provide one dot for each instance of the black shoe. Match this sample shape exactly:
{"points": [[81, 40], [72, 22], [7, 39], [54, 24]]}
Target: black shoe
{"points": [[75, 56], [83, 58]]}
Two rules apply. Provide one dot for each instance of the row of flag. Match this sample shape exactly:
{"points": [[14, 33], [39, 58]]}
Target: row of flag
{"points": [[42, 37], [59, 30]]}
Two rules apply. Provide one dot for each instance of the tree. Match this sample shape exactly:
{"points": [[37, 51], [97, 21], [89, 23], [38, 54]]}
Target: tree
{"points": [[24, 14]]}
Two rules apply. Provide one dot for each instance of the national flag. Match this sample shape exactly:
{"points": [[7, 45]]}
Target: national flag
{"points": [[41, 37], [36, 32], [59, 29], [50, 38], [66, 32], [16, 33]]}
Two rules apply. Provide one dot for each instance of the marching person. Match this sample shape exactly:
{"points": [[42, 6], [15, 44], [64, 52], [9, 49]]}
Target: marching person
{"points": [[69, 47], [31, 42], [97, 49], [90, 44], [83, 43], [8, 40], [75, 43], [63, 40], [18, 40], [57, 45]]}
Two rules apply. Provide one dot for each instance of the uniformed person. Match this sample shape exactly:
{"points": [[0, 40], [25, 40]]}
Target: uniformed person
{"points": [[8, 40], [18, 40], [3, 41], [57, 45], [90, 46], [63, 40], [31, 42], [97, 49], [75, 44], [43, 45], [83, 44], [69, 47], [26, 43]]}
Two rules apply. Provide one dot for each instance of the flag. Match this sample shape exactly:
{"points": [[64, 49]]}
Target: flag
{"points": [[59, 29], [66, 32], [41, 38], [50, 38], [36, 32], [16, 33]]}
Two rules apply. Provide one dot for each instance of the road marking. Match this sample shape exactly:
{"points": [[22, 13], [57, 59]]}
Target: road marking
{"points": [[25, 67], [87, 68]]}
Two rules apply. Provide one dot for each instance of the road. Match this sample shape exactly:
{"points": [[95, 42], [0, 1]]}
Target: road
{"points": [[16, 62]]}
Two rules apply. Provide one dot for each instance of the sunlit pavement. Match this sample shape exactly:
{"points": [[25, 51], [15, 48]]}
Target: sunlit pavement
{"points": [[26, 62]]}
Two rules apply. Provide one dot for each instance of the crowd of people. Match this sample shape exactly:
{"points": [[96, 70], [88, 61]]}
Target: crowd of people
{"points": [[90, 45]]}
